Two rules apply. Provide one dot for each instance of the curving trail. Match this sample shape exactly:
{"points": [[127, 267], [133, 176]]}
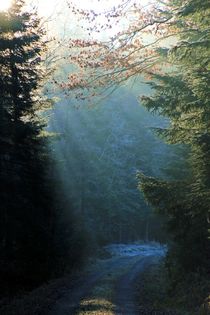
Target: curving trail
{"points": [[125, 298], [127, 263], [70, 302]]}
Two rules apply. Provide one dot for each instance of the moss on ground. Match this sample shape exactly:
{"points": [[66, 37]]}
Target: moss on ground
{"points": [[100, 298]]}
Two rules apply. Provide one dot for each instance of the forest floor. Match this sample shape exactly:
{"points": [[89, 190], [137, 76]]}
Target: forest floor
{"points": [[129, 281], [111, 286]]}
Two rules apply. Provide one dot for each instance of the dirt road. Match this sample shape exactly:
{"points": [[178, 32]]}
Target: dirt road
{"points": [[109, 288]]}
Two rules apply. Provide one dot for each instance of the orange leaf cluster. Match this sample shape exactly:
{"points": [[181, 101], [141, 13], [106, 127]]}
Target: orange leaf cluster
{"points": [[132, 51]]}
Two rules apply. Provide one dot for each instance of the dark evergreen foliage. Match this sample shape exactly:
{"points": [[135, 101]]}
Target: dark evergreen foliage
{"points": [[27, 212], [183, 96]]}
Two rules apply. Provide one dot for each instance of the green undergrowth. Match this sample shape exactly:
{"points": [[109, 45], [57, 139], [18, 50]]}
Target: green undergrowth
{"points": [[100, 298], [188, 297]]}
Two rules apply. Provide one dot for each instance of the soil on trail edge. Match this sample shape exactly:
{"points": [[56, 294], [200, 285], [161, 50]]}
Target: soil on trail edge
{"points": [[127, 263]]}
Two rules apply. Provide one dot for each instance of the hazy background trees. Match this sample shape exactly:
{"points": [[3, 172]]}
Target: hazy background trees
{"points": [[98, 152]]}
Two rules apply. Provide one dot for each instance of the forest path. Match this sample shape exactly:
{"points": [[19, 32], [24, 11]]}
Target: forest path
{"points": [[125, 289], [109, 288]]}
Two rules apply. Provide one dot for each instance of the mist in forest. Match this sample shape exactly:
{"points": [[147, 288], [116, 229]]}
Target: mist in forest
{"points": [[104, 157]]}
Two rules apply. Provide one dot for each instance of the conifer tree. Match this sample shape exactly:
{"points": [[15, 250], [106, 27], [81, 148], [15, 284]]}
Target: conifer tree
{"points": [[183, 96], [26, 216]]}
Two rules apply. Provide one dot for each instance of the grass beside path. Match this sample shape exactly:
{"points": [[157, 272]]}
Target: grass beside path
{"points": [[99, 301], [188, 298], [101, 296]]}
